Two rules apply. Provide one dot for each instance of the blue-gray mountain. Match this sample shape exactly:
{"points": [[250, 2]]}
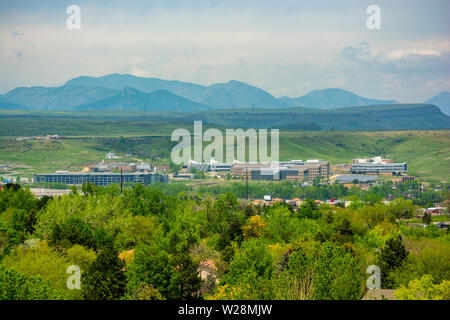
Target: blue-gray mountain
{"points": [[134, 100], [234, 94], [6, 105], [128, 92], [93, 91], [66, 97], [331, 99], [442, 100]]}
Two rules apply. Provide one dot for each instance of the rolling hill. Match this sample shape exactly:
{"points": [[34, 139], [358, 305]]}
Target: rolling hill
{"points": [[383, 117]]}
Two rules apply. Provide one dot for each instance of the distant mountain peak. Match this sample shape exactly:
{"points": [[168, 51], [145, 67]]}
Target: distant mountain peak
{"points": [[442, 100], [331, 98]]}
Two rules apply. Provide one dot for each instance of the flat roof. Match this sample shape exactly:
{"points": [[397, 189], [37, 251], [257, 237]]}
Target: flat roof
{"points": [[359, 177], [96, 174]]}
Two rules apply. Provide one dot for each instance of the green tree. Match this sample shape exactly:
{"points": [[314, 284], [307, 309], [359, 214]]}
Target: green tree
{"points": [[105, 278], [151, 265], [188, 277], [424, 289], [391, 257], [426, 219], [16, 286]]}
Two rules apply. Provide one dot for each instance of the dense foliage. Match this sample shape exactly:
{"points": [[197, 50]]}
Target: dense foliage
{"points": [[169, 242]]}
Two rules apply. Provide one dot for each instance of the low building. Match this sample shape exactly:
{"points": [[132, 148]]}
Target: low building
{"points": [[183, 176], [377, 165], [100, 179], [212, 166], [111, 155], [356, 178], [41, 192]]}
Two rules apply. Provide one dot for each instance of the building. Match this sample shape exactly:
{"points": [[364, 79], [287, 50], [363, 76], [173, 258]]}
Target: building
{"points": [[212, 166], [41, 192], [101, 179], [294, 170], [162, 168], [111, 155], [378, 165], [356, 178], [183, 176]]}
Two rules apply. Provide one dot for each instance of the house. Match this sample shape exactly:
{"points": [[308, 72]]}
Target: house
{"points": [[163, 168], [434, 211], [296, 202], [111, 155], [335, 202], [257, 202]]}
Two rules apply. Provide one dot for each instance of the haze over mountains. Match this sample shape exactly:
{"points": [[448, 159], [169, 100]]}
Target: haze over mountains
{"points": [[129, 92], [91, 92]]}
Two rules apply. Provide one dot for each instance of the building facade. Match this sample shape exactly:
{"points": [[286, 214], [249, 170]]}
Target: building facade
{"points": [[101, 179], [377, 165], [294, 170]]}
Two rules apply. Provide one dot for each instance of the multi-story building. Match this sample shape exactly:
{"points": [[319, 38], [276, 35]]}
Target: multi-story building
{"points": [[212, 166], [294, 170], [101, 179], [377, 165]]}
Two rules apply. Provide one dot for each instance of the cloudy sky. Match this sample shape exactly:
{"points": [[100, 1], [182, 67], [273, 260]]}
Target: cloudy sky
{"points": [[284, 47]]}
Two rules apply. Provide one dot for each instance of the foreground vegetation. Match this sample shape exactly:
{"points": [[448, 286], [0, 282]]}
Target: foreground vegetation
{"points": [[150, 242]]}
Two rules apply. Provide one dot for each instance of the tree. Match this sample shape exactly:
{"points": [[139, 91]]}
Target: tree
{"points": [[151, 265], [249, 274], [188, 277], [73, 231], [392, 256], [16, 286], [39, 259], [145, 291], [253, 228], [424, 289], [281, 225], [426, 219], [105, 278], [336, 274]]}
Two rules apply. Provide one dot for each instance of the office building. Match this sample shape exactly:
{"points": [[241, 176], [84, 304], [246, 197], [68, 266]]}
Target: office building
{"points": [[101, 179]]}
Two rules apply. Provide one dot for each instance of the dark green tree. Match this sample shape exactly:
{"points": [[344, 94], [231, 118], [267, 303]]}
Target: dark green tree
{"points": [[188, 278], [392, 256], [426, 219], [105, 278]]}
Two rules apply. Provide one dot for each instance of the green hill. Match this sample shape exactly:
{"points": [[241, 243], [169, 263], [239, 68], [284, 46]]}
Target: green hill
{"points": [[427, 152]]}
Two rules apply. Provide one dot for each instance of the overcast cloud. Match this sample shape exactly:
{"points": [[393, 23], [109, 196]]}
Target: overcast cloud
{"points": [[285, 47]]}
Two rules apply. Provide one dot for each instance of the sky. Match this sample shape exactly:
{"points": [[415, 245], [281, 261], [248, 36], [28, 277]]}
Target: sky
{"points": [[285, 47]]}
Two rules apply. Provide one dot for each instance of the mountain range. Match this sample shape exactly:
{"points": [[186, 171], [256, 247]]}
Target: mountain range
{"points": [[115, 91], [129, 92]]}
